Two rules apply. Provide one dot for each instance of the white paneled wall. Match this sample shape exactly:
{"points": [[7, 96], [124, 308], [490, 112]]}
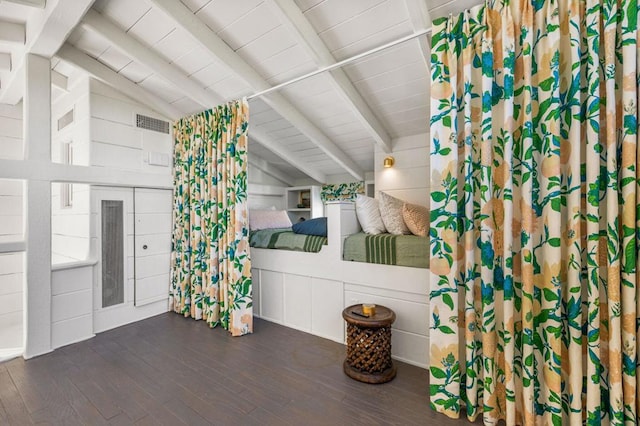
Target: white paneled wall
{"points": [[11, 211], [70, 226], [70, 232], [116, 142], [103, 134], [410, 337], [11, 145], [264, 191], [11, 191], [409, 178], [288, 299], [76, 132], [11, 301], [71, 305]]}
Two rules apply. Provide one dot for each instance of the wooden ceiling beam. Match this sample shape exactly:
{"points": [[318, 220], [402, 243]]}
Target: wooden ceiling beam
{"points": [[81, 60], [31, 3], [212, 43], [141, 54], [59, 80], [287, 155], [421, 19], [270, 170], [308, 38], [48, 29], [12, 33]]}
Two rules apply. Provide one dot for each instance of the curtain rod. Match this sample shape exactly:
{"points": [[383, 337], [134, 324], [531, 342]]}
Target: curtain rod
{"points": [[341, 63]]}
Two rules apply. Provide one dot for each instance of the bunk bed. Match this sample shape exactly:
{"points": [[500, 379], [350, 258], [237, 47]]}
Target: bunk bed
{"points": [[286, 239], [308, 291], [387, 249]]}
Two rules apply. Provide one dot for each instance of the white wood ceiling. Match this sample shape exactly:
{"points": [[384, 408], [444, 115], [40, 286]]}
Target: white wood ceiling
{"points": [[328, 124]]}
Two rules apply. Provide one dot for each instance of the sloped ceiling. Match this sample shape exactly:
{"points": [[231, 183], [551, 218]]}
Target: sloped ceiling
{"points": [[193, 54]]}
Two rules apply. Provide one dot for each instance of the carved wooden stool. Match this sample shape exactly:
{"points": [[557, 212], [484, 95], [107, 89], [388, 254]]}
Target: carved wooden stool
{"points": [[369, 344]]}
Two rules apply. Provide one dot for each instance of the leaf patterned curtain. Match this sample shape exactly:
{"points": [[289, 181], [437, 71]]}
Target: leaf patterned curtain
{"points": [[342, 191], [535, 206], [210, 264]]}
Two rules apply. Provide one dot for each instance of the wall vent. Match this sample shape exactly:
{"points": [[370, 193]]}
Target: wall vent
{"points": [[65, 120], [150, 123]]}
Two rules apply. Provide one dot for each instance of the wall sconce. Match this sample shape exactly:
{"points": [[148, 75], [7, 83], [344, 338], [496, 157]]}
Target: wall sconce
{"points": [[389, 162]]}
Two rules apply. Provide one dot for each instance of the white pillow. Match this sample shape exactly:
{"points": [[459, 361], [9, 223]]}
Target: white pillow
{"points": [[391, 212], [268, 219], [368, 215]]}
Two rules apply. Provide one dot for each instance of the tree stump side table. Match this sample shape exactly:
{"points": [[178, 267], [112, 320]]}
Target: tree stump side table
{"points": [[369, 345]]}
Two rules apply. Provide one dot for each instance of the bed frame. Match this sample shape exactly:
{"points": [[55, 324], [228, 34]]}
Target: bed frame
{"points": [[308, 291]]}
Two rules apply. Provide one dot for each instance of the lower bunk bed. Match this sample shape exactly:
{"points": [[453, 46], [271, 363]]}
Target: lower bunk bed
{"points": [[308, 291], [286, 239]]}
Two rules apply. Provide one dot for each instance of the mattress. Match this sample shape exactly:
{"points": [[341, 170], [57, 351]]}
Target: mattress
{"points": [[286, 239], [387, 249]]}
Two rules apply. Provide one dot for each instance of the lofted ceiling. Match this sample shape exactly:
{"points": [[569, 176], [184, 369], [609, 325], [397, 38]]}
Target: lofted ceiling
{"points": [[183, 56]]}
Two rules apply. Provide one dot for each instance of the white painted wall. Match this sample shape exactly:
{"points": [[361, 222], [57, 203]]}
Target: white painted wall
{"points": [[70, 227], [104, 123], [103, 134], [70, 236], [346, 178], [11, 144], [77, 132], [264, 191], [116, 142], [71, 304], [26, 154], [408, 179], [11, 211], [11, 303], [11, 191]]}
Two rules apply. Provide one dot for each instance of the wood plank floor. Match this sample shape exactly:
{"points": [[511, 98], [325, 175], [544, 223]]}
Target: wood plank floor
{"points": [[169, 370]]}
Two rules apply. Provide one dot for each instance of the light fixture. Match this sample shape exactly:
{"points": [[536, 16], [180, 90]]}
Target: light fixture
{"points": [[389, 162]]}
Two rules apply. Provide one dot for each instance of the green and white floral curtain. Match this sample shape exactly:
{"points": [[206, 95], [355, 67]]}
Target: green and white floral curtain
{"points": [[341, 191], [210, 264], [535, 206]]}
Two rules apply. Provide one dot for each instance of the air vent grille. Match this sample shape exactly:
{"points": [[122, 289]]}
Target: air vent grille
{"points": [[150, 123], [65, 120]]}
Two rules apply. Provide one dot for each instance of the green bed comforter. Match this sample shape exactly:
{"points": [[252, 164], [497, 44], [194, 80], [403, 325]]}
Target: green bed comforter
{"points": [[387, 249], [286, 239]]}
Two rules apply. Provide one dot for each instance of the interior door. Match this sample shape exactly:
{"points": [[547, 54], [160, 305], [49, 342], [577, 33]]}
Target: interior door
{"points": [[152, 244], [112, 209]]}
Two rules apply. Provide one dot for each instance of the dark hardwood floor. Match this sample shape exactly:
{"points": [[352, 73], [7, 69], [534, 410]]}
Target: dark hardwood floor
{"points": [[169, 370]]}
